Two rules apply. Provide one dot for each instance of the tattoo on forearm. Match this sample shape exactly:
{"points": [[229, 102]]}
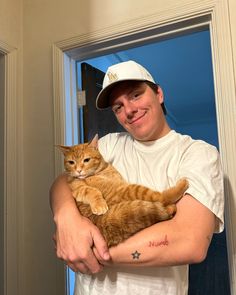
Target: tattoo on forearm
{"points": [[136, 254], [163, 242]]}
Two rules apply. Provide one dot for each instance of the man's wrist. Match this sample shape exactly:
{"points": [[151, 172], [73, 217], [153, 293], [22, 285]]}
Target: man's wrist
{"points": [[67, 210]]}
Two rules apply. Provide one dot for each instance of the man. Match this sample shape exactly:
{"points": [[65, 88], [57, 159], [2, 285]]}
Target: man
{"points": [[155, 260]]}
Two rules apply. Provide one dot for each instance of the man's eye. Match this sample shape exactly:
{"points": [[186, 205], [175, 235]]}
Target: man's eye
{"points": [[116, 109], [136, 95], [86, 160]]}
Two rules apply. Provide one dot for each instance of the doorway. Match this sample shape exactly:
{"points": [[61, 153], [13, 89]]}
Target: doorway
{"points": [[157, 27], [186, 76]]}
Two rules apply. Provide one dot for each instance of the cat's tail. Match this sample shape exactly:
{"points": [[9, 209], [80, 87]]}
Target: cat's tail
{"points": [[126, 218], [175, 193], [167, 197]]}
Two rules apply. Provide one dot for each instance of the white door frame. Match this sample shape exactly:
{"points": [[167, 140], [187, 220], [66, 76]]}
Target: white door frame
{"points": [[12, 170], [212, 13]]}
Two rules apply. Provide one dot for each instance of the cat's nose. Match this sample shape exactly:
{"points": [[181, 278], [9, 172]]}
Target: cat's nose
{"points": [[80, 171]]}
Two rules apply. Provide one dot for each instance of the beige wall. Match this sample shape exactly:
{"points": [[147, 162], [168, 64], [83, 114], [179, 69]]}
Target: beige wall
{"points": [[44, 23], [11, 22]]}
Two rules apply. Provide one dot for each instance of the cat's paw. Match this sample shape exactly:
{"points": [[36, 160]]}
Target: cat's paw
{"points": [[171, 210], [183, 184], [100, 209]]}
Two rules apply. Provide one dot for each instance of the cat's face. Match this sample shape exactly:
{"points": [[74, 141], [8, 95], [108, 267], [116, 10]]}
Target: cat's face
{"points": [[82, 161]]}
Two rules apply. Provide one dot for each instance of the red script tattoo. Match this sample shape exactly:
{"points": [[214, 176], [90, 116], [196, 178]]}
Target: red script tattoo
{"points": [[164, 242]]}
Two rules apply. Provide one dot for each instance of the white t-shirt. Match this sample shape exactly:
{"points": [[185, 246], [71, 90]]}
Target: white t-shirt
{"points": [[158, 165]]}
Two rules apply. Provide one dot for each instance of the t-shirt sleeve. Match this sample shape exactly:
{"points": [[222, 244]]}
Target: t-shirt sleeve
{"points": [[201, 164]]}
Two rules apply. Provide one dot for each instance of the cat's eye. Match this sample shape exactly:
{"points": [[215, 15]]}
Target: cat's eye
{"points": [[86, 160], [71, 162]]}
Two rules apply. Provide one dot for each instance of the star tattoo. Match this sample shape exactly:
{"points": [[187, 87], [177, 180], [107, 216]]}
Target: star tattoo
{"points": [[136, 255]]}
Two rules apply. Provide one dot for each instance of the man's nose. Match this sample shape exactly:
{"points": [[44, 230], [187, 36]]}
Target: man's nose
{"points": [[130, 107]]}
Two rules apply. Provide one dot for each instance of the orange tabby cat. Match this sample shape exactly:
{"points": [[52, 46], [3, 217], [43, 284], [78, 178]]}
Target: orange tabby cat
{"points": [[117, 208]]}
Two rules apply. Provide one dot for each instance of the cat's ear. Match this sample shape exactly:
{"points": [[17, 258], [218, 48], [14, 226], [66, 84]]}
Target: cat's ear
{"points": [[94, 142], [64, 149]]}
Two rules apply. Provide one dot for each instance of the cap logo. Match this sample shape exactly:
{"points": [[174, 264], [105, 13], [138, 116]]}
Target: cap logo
{"points": [[112, 77]]}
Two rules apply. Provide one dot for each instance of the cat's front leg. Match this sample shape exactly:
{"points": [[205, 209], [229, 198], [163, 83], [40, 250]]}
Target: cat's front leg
{"points": [[91, 196], [98, 204]]}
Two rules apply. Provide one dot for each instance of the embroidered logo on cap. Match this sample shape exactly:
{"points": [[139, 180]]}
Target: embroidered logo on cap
{"points": [[112, 77]]}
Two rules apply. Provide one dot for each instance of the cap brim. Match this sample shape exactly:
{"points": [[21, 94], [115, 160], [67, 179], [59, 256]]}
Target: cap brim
{"points": [[102, 101]]}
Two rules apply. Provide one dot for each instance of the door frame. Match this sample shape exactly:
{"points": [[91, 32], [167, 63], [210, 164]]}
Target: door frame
{"points": [[166, 24], [12, 170]]}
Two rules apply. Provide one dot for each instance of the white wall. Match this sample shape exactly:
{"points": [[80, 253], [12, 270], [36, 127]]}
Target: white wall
{"points": [[41, 24]]}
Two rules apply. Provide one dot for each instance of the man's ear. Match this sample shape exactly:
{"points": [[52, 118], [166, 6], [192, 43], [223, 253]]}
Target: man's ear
{"points": [[160, 95]]}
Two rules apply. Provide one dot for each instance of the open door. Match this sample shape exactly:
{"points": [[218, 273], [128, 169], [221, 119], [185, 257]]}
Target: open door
{"points": [[95, 121]]}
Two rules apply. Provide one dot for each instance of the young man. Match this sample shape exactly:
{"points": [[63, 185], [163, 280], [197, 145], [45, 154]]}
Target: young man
{"points": [[155, 260]]}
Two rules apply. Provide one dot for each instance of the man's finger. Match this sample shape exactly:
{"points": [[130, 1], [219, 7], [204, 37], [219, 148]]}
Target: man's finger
{"points": [[92, 264], [101, 246], [79, 267]]}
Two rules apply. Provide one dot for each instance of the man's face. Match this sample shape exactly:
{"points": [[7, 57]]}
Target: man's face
{"points": [[138, 109]]}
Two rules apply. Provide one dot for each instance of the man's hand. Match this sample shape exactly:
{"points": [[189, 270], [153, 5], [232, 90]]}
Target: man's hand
{"points": [[75, 237]]}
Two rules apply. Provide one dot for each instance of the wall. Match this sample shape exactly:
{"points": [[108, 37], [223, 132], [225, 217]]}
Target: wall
{"points": [[11, 22], [41, 24]]}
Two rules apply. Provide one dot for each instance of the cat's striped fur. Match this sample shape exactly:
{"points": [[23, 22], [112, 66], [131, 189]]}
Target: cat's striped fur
{"points": [[117, 208]]}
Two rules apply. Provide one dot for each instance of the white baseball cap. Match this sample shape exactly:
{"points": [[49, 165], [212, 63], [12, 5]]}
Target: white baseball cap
{"points": [[124, 71]]}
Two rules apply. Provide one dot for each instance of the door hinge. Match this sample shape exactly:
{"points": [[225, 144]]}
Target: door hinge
{"points": [[81, 98]]}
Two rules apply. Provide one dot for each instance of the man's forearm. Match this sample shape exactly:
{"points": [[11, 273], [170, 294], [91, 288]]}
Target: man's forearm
{"points": [[61, 196], [182, 240], [75, 235], [157, 245]]}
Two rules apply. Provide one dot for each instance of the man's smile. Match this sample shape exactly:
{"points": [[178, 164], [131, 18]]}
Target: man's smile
{"points": [[136, 119]]}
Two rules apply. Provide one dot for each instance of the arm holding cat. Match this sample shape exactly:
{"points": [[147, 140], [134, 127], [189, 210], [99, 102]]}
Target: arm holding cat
{"points": [[182, 240], [75, 235]]}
